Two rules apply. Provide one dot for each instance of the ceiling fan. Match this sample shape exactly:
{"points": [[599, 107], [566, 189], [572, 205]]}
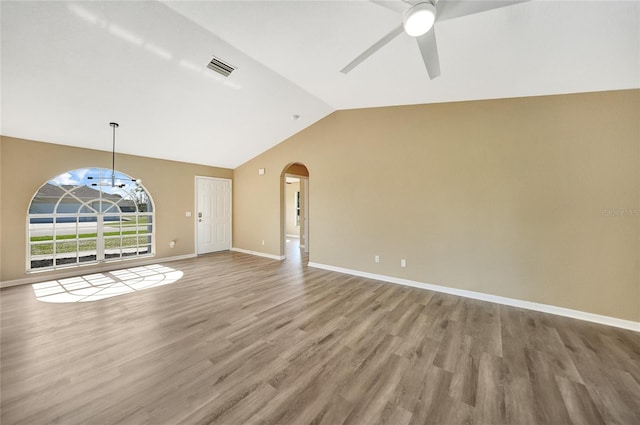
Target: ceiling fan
{"points": [[418, 19]]}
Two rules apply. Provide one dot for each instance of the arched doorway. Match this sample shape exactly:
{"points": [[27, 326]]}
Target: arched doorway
{"points": [[294, 210]]}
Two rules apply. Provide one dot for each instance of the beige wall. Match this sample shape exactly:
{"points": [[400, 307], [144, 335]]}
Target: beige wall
{"points": [[290, 202], [514, 197], [26, 165], [1, 238]]}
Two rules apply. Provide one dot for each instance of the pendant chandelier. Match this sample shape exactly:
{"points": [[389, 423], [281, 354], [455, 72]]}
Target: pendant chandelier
{"points": [[105, 181]]}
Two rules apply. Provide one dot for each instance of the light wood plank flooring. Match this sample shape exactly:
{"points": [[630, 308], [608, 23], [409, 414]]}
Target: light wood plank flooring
{"points": [[246, 340]]}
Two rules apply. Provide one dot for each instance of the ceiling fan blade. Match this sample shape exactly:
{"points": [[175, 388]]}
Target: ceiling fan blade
{"points": [[449, 9], [371, 50], [396, 5], [429, 51]]}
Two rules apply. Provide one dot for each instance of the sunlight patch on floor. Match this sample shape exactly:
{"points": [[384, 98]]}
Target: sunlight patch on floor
{"points": [[98, 286]]}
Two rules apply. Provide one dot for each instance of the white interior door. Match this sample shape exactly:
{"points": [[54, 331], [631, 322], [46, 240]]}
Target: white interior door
{"points": [[213, 214]]}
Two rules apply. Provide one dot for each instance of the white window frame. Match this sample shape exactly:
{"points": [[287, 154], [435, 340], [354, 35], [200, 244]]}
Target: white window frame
{"points": [[101, 254]]}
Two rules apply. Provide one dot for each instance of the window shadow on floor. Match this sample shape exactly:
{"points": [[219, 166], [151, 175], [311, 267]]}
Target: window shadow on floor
{"points": [[98, 286]]}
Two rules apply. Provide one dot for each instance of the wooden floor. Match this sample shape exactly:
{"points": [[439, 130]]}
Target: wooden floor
{"points": [[246, 340]]}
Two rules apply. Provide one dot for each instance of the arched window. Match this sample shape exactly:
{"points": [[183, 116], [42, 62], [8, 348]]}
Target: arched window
{"points": [[88, 216]]}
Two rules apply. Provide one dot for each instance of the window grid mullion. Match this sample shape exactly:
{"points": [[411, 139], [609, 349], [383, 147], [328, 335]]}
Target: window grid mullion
{"points": [[64, 236]]}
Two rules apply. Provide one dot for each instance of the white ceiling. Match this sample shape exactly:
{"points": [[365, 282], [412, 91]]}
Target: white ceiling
{"points": [[69, 68]]}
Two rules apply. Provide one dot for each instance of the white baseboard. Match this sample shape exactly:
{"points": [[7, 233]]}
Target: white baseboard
{"points": [[259, 254], [36, 277], [545, 308], [293, 236]]}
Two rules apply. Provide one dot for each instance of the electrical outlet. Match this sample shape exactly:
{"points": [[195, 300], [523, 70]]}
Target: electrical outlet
{"points": [[377, 259], [262, 243], [403, 263]]}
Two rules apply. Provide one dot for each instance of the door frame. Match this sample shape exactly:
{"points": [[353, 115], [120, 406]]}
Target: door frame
{"points": [[194, 215], [301, 231], [304, 180]]}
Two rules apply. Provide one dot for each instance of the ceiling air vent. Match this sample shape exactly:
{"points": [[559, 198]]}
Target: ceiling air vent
{"points": [[221, 67]]}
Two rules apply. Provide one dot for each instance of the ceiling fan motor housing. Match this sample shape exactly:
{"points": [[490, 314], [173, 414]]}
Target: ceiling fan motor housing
{"points": [[419, 19]]}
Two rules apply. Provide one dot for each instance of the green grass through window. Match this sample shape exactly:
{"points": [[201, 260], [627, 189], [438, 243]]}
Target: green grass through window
{"points": [[85, 235], [70, 243]]}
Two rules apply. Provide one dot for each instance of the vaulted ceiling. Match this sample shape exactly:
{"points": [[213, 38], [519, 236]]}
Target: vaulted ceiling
{"points": [[70, 68]]}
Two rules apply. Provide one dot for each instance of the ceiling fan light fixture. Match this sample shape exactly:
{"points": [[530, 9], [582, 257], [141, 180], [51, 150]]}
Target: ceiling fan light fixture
{"points": [[419, 19]]}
